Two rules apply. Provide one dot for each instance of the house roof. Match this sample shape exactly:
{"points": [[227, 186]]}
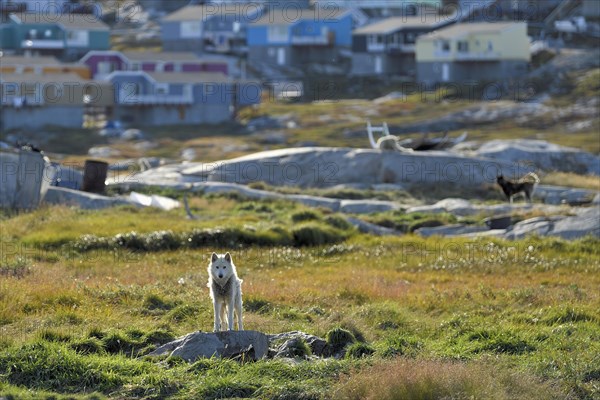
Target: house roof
{"points": [[160, 56], [42, 78], [290, 16], [393, 24], [202, 12], [69, 21], [11, 60], [189, 77], [460, 30]]}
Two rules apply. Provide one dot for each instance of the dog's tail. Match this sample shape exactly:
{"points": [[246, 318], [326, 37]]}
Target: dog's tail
{"points": [[530, 178]]}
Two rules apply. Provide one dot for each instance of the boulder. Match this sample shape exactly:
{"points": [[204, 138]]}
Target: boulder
{"points": [[226, 344]]}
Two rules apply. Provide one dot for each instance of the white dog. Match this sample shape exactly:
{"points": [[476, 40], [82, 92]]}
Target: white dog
{"points": [[225, 291]]}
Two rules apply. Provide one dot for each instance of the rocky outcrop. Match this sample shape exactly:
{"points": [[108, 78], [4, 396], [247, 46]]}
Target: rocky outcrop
{"points": [[228, 344], [283, 344], [251, 345]]}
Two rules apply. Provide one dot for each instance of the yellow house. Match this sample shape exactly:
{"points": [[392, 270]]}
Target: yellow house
{"points": [[482, 51], [14, 64]]}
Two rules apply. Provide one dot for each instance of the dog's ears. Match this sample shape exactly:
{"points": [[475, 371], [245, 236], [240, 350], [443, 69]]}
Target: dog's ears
{"points": [[228, 257], [214, 257]]}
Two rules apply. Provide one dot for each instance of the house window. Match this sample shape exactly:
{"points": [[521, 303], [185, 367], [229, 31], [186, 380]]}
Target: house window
{"points": [[445, 45], [78, 38], [106, 67], [375, 39], [463, 46], [490, 46], [277, 33], [161, 88], [190, 30]]}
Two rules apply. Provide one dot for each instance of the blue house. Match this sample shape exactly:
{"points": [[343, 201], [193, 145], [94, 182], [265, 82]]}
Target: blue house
{"points": [[174, 98], [65, 36], [211, 27], [298, 37]]}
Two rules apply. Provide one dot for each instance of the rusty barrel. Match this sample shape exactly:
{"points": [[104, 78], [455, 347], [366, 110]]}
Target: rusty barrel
{"points": [[94, 176]]}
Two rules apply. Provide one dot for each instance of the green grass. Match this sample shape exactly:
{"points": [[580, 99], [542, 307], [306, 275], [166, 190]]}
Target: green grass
{"points": [[418, 318]]}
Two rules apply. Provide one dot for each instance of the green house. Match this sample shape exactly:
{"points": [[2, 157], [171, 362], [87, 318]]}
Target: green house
{"points": [[65, 36]]}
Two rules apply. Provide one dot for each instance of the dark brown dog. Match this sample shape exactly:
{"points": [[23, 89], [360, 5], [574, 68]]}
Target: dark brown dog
{"points": [[525, 185]]}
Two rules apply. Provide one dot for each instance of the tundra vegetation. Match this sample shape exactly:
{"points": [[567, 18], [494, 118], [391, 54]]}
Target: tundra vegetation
{"points": [[86, 295]]}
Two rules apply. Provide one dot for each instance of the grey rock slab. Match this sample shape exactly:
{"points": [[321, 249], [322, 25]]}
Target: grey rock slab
{"points": [[373, 229], [226, 344], [560, 195], [326, 167], [367, 206], [538, 225], [84, 200], [586, 222], [541, 154], [451, 230]]}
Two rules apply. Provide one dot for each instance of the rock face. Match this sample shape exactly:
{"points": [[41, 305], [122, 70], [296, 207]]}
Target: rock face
{"points": [[226, 344], [541, 154]]}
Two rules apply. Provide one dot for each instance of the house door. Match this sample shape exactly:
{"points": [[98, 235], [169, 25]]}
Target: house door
{"points": [[445, 72], [281, 56], [378, 65]]}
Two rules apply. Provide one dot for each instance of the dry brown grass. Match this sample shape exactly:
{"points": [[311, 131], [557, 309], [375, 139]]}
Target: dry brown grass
{"points": [[403, 379], [572, 180]]}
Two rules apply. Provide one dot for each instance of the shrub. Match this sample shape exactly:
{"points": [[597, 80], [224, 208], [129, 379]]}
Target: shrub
{"points": [[305, 215], [431, 379], [161, 240], [338, 338], [18, 268], [400, 345], [359, 350], [338, 222], [315, 235], [297, 348], [54, 336], [257, 305], [129, 240], [87, 346]]}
